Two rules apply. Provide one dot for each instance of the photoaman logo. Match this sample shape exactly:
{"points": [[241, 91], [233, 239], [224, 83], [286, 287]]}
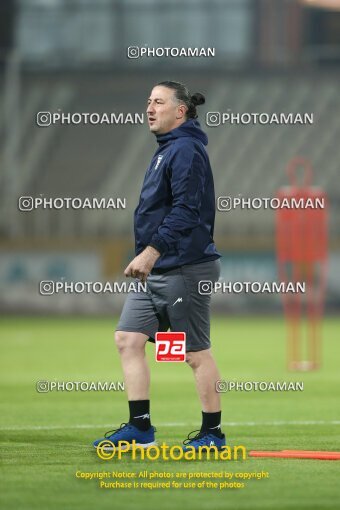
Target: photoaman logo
{"points": [[170, 346], [107, 450]]}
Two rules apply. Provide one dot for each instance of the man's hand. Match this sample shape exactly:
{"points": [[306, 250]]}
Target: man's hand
{"points": [[141, 265]]}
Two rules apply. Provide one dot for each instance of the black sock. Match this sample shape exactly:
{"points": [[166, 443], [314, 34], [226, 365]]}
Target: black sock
{"points": [[211, 422], [140, 414]]}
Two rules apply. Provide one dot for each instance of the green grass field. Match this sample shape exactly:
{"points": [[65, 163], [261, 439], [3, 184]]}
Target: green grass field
{"points": [[46, 437]]}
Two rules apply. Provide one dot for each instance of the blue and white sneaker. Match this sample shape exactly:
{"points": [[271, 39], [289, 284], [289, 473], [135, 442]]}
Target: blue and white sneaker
{"points": [[203, 439], [127, 432]]}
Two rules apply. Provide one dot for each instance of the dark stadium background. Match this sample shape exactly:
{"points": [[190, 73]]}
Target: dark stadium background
{"points": [[280, 56], [70, 56]]}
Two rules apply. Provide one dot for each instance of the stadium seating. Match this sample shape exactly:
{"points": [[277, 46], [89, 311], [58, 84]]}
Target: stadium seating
{"points": [[110, 160]]}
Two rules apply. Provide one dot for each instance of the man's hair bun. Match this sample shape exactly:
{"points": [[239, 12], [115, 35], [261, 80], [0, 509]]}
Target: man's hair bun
{"points": [[183, 95], [197, 99]]}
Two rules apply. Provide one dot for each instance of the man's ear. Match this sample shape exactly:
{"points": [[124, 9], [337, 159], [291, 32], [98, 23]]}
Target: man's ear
{"points": [[181, 111]]}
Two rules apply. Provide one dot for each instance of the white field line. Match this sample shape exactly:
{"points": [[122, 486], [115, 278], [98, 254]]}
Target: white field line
{"points": [[173, 424]]}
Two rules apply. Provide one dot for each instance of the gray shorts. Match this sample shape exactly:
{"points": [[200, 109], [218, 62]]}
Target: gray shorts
{"points": [[172, 301]]}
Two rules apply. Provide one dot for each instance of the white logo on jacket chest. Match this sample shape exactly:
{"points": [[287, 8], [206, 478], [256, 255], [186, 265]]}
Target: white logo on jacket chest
{"points": [[159, 159]]}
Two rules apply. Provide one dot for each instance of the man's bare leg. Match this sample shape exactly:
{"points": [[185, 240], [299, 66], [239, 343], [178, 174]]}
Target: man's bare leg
{"points": [[206, 374], [131, 347]]}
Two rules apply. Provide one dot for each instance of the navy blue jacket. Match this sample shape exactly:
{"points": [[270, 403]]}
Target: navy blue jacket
{"points": [[176, 210]]}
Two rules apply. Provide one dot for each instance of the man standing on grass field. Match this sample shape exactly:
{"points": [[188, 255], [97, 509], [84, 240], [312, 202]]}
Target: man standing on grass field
{"points": [[174, 225]]}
